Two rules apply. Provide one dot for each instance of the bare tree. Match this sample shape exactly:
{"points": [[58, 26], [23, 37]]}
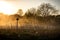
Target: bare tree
{"points": [[20, 12], [46, 9], [31, 12]]}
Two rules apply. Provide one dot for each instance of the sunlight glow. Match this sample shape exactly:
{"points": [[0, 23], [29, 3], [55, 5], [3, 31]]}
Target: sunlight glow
{"points": [[7, 8]]}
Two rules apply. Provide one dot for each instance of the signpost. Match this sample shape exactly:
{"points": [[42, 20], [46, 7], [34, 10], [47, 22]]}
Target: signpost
{"points": [[17, 18]]}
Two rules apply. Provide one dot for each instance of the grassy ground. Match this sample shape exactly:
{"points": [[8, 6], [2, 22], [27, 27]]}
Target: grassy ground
{"points": [[25, 34]]}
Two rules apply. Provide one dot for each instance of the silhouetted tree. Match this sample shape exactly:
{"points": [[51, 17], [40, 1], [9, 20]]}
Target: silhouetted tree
{"points": [[31, 12], [20, 12], [46, 9]]}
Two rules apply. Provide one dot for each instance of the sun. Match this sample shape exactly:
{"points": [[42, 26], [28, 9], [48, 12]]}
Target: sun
{"points": [[7, 8]]}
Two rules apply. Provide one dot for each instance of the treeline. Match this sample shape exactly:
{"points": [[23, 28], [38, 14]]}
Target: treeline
{"points": [[44, 12]]}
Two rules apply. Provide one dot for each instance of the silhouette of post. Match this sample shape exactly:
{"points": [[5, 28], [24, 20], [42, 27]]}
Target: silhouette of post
{"points": [[17, 22]]}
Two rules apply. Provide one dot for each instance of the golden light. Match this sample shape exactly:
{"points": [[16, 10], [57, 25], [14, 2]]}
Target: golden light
{"points": [[7, 8]]}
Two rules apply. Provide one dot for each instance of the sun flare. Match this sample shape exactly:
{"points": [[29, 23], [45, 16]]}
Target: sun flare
{"points": [[7, 8]]}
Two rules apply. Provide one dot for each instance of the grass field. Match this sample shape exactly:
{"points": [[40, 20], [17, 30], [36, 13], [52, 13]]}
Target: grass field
{"points": [[29, 34]]}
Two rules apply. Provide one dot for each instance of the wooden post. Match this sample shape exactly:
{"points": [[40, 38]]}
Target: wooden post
{"points": [[17, 19], [17, 23]]}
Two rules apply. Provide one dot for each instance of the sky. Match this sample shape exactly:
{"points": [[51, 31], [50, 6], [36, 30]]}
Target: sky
{"points": [[12, 6]]}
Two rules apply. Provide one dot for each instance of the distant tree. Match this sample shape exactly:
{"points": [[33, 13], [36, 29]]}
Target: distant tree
{"points": [[46, 9], [20, 12], [31, 12]]}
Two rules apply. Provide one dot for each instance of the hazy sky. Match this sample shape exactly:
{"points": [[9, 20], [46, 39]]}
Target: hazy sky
{"points": [[26, 4]]}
